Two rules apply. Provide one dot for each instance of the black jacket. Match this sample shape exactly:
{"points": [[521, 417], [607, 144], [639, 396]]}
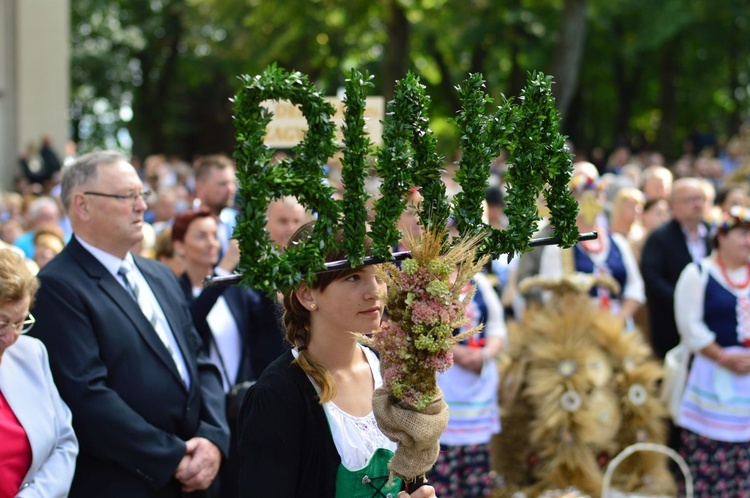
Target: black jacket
{"points": [[664, 256], [257, 319], [286, 447]]}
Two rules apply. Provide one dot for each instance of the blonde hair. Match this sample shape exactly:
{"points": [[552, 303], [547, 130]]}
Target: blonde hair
{"points": [[148, 243], [658, 171], [16, 280], [163, 248], [624, 195]]}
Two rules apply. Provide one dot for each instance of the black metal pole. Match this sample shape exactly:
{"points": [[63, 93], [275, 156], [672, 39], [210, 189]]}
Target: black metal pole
{"points": [[372, 260]]}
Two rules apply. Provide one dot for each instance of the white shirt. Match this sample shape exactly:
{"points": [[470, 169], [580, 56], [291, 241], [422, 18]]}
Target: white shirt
{"points": [[356, 438], [551, 265], [697, 246], [112, 264], [689, 296], [226, 348]]}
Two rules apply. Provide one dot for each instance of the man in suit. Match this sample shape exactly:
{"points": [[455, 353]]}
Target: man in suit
{"points": [[215, 188], [148, 406], [667, 251]]}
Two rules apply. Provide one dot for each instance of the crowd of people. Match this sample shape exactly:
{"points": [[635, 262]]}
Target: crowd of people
{"points": [[121, 376]]}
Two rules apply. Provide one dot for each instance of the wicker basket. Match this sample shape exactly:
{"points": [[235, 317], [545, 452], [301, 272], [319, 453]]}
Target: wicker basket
{"points": [[608, 492]]}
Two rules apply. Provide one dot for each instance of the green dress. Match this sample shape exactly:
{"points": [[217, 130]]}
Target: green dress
{"points": [[348, 432], [369, 482]]}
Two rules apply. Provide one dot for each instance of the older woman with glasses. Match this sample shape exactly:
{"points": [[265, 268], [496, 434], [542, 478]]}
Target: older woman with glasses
{"points": [[38, 450]]}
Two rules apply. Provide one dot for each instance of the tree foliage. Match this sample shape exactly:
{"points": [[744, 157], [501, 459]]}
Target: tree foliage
{"points": [[161, 72]]}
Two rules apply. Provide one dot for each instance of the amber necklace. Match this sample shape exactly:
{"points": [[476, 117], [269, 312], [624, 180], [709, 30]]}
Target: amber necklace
{"points": [[725, 274]]}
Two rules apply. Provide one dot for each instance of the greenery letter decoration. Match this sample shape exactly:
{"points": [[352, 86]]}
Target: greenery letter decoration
{"points": [[408, 159], [260, 181]]}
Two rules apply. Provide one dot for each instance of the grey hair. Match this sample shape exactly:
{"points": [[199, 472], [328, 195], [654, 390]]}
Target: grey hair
{"points": [[83, 170], [36, 206]]}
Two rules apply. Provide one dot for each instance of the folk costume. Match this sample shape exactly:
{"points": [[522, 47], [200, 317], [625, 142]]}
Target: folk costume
{"points": [[611, 255], [462, 469], [310, 449], [608, 256], [711, 307]]}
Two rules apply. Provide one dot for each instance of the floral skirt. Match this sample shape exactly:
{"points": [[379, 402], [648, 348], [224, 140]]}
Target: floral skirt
{"points": [[720, 469], [462, 471]]}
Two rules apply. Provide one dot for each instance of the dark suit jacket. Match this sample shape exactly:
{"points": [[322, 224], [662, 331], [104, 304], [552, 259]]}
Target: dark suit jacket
{"points": [[239, 307], [268, 342], [257, 320], [665, 254], [131, 410]]}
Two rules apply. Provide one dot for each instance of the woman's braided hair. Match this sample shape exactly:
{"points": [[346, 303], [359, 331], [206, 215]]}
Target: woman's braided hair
{"points": [[296, 318]]}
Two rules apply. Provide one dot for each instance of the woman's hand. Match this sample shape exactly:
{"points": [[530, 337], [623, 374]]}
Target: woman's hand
{"points": [[738, 363], [628, 307], [469, 358], [423, 492]]}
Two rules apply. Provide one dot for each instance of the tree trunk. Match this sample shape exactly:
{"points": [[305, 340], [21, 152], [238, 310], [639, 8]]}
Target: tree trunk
{"points": [[668, 102], [167, 76], [478, 56], [734, 63], [152, 99], [516, 34], [396, 59], [569, 53], [446, 80], [624, 92], [626, 83], [516, 80], [210, 127], [140, 126]]}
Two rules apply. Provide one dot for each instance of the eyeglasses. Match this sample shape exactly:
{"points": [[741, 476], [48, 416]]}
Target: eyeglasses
{"points": [[18, 328], [690, 199], [132, 197]]}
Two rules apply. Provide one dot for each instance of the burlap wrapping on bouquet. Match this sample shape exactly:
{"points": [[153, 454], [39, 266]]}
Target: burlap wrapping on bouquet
{"points": [[417, 433]]}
